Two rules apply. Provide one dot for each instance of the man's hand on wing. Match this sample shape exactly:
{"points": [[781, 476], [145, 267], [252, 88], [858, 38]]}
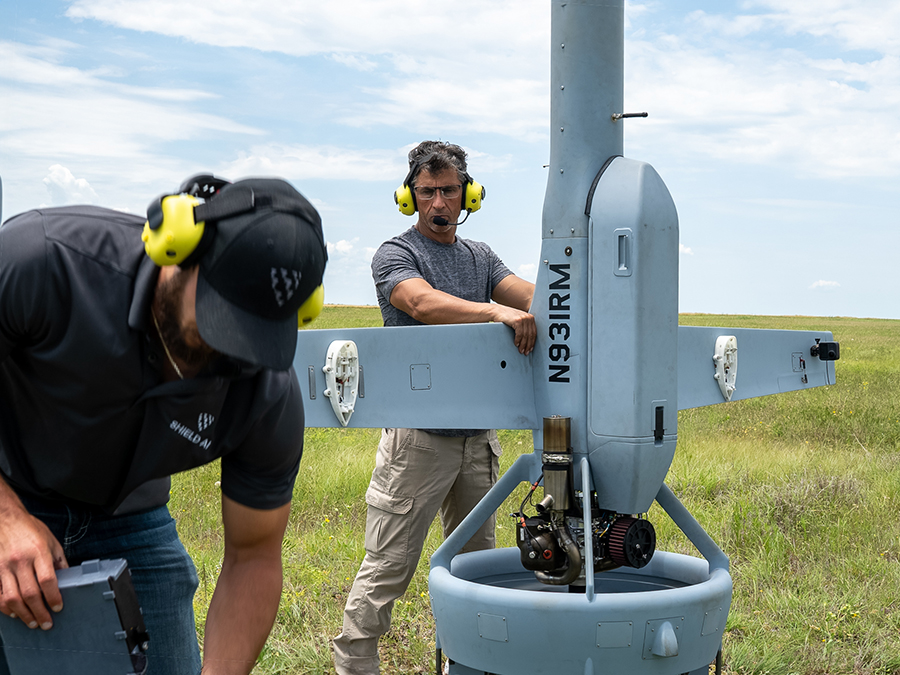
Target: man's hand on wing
{"points": [[522, 323], [29, 556], [515, 295]]}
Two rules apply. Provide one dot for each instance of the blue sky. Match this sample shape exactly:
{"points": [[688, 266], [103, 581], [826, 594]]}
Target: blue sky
{"points": [[774, 125]]}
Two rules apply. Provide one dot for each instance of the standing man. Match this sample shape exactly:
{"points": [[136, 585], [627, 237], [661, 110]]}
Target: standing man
{"points": [[428, 275], [116, 373]]}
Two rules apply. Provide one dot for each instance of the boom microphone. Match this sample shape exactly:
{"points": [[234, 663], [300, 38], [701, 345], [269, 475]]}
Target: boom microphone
{"points": [[441, 221]]}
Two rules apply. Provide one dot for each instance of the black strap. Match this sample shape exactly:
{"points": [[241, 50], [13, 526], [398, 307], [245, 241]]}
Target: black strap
{"points": [[590, 197], [241, 200], [231, 203]]}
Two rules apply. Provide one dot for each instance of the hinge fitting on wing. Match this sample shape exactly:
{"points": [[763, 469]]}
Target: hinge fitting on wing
{"points": [[342, 378], [725, 360]]}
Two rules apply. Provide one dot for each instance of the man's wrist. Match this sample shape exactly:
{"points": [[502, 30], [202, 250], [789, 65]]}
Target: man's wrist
{"points": [[10, 504]]}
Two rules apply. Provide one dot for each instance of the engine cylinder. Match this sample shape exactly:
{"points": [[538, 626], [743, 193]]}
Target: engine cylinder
{"points": [[557, 461]]}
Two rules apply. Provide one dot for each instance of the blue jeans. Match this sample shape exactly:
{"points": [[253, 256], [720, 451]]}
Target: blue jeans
{"points": [[163, 574]]}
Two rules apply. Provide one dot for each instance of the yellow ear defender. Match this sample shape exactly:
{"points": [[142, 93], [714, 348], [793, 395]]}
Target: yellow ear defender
{"points": [[404, 199], [310, 309], [170, 234], [474, 194]]}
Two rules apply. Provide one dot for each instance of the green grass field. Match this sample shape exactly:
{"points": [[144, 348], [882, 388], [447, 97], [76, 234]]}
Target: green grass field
{"points": [[801, 491]]}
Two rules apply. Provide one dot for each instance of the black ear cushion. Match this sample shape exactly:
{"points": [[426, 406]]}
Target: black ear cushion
{"points": [[155, 213]]}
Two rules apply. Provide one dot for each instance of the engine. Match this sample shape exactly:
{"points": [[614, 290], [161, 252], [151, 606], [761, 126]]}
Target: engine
{"points": [[552, 542]]}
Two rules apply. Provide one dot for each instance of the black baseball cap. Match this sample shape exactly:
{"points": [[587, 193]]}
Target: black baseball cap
{"points": [[260, 266]]}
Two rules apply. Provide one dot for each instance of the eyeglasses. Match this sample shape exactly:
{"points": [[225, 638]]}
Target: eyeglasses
{"points": [[447, 192]]}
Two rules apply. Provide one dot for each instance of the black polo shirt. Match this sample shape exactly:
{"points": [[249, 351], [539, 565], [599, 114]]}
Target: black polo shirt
{"points": [[84, 414]]}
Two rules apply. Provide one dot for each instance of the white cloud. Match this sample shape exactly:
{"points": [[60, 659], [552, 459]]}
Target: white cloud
{"points": [[320, 204], [857, 24], [499, 104], [358, 27], [685, 250], [360, 63], [527, 271], [348, 277], [325, 162], [117, 136], [65, 189], [721, 88], [65, 114], [343, 247], [487, 74], [726, 89], [825, 285]]}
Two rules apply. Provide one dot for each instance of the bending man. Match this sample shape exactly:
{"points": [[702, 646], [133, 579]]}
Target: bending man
{"points": [[116, 373]]}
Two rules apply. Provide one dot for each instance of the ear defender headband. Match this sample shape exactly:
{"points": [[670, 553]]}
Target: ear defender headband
{"points": [[405, 196]]}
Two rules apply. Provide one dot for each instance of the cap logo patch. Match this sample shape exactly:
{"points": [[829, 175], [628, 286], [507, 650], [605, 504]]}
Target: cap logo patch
{"points": [[284, 284]]}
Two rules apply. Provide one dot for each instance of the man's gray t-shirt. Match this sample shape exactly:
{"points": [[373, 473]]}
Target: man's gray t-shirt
{"points": [[466, 269]]}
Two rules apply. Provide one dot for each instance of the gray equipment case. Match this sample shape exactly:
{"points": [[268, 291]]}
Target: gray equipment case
{"points": [[100, 630]]}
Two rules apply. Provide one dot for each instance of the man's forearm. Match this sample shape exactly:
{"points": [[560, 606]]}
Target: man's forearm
{"points": [[241, 615], [514, 292], [437, 307]]}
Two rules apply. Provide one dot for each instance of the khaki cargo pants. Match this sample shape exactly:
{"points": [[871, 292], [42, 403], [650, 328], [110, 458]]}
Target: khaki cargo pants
{"points": [[416, 474]]}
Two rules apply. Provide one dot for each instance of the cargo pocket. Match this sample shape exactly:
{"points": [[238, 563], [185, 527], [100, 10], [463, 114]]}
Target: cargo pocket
{"points": [[496, 451], [388, 524], [494, 442]]}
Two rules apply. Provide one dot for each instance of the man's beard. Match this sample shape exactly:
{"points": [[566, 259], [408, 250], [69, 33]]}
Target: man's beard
{"points": [[168, 303]]}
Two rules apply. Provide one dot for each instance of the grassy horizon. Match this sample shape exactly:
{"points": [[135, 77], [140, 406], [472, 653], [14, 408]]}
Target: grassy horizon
{"points": [[801, 490]]}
